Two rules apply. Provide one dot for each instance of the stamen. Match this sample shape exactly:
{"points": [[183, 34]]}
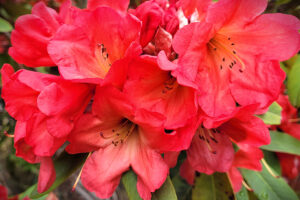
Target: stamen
{"points": [[8, 135], [102, 57], [201, 131], [247, 186], [212, 137], [294, 120], [78, 177], [105, 137], [169, 84], [269, 168], [219, 42]]}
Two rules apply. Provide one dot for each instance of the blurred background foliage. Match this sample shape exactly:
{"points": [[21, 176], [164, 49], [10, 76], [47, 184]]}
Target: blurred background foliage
{"points": [[18, 175]]}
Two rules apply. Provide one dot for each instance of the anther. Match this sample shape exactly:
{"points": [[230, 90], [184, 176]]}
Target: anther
{"points": [[215, 49], [234, 52], [229, 38], [223, 59], [214, 139], [232, 44], [221, 67], [241, 70]]}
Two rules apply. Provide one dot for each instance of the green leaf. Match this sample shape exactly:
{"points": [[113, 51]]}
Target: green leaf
{"points": [[281, 2], [242, 194], [182, 188], [273, 116], [65, 166], [282, 142], [212, 187], [267, 187], [129, 180], [28, 192], [166, 191], [5, 26], [293, 83]]}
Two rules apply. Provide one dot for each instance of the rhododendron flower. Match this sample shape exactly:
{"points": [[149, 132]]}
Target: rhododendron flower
{"points": [[121, 5], [289, 118], [33, 32], [57, 102], [35, 146], [154, 89], [232, 55], [86, 50], [151, 15], [45, 107], [290, 165], [211, 149], [121, 137]]}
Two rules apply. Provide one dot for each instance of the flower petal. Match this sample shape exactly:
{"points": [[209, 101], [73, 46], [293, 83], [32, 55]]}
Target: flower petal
{"points": [[204, 160], [47, 174], [150, 177], [120, 5], [187, 172], [247, 132], [32, 34], [85, 136], [103, 169], [249, 158], [37, 136]]}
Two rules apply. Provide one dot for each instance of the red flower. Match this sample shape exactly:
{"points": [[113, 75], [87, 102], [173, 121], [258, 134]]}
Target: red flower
{"points": [[33, 32], [86, 50], [211, 149], [55, 101], [231, 55], [154, 89], [121, 5], [289, 116], [37, 147], [290, 165], [121, 137]]}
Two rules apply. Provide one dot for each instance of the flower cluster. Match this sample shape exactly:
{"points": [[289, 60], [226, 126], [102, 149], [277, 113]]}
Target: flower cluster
{"points": [[290, 164], [133, 84]]}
